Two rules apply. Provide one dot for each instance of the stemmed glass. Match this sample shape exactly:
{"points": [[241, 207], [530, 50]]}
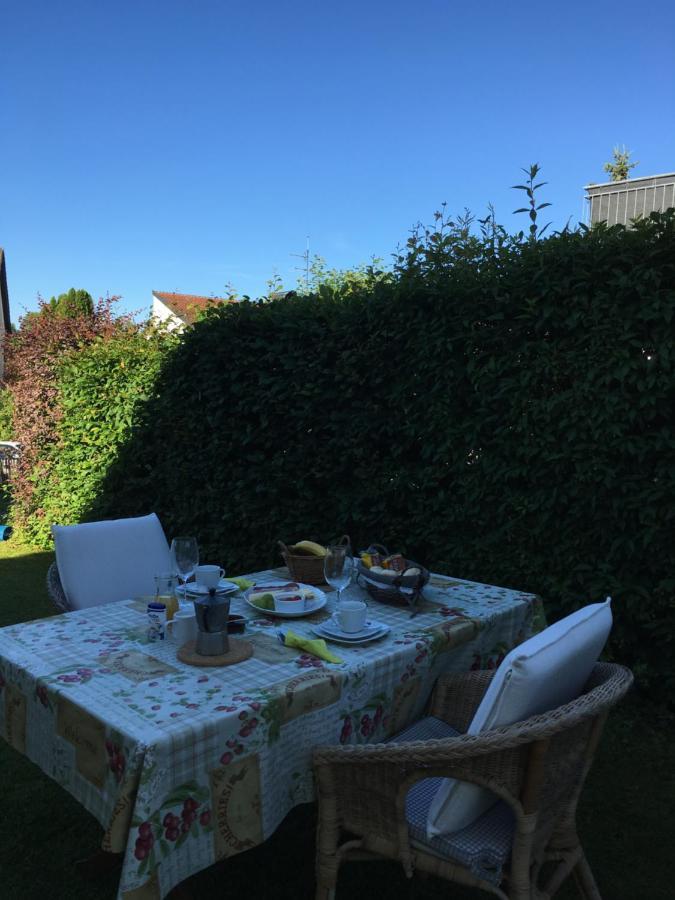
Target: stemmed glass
{"points": [[337, 567], [185, 555]]}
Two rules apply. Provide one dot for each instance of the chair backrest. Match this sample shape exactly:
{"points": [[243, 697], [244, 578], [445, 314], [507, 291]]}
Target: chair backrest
{"points": [[560, 773], [100, 562], [547, 670]]}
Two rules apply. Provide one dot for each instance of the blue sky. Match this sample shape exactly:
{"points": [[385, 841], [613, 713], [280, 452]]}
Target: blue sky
{"points": [[187, 145]]}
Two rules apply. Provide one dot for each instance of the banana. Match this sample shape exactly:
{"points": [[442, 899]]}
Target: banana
{"points": [[308, 548]]}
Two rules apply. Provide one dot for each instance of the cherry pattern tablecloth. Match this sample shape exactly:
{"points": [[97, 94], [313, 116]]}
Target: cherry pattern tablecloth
{"points": [[185, 766]]}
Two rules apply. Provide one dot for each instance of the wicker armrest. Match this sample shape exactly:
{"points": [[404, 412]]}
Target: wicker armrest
{"points": [[457, 695]]}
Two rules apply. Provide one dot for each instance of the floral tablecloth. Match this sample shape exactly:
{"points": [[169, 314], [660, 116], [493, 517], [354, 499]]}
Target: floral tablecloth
{"points": [[185, 766]]}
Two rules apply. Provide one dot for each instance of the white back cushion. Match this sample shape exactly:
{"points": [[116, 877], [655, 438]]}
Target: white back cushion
{"points": [[546, 671], [100, 562]]}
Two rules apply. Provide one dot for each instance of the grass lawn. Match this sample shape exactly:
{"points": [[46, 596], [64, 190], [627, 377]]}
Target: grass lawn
{"points": [[625, 817]]}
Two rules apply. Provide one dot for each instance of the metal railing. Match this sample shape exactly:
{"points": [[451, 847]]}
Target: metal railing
{"points": [[617, 203]]}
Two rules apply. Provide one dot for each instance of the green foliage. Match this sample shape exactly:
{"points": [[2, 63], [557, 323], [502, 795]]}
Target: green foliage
{"points": [[6, 414], [532, 209], [319, 279], [101, 389], [32, 356], [344, 281], [500, 408], [507, 418], [72, 304], [619, 167]]}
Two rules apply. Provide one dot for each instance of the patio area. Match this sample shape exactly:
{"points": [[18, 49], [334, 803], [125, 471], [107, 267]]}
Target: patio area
{"points": [[44, 831]]}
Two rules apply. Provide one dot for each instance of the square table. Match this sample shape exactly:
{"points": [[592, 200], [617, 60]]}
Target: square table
{"points": [[185, 766]]}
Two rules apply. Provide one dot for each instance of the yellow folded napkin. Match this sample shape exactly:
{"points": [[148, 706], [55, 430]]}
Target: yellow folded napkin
{"points": [[316, 647], [242, 583]]}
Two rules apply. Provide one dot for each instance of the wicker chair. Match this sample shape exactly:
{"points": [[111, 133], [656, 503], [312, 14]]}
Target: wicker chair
{"points": [[537, 767], [55, 589]]}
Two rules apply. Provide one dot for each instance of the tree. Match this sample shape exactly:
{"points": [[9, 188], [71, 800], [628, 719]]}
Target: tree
{"points": [[345, 281], [619, 168], [72, 304]]}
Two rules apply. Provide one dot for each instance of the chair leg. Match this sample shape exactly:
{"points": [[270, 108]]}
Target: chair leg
{"points": [[585, 882], [326, 876], [324, 890]]}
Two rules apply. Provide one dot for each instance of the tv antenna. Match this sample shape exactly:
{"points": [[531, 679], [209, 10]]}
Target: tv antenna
{"points": [[305, 268]]}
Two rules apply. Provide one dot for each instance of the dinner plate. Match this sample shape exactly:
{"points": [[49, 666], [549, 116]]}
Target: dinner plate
{"points": [[197, 590], [312, 606], [352, 641]]}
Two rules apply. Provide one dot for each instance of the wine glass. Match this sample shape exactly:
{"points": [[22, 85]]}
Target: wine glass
{"points": [[185, 555], [337, 567]]}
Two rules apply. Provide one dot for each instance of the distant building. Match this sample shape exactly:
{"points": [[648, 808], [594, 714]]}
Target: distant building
{"points": [[617, 202], [5, 323], [179, 310]]}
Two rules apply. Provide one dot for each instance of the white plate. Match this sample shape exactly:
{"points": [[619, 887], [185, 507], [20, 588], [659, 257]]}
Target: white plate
{"points": [[312, 606], [333, 629], [195, 590], [375, 636]]}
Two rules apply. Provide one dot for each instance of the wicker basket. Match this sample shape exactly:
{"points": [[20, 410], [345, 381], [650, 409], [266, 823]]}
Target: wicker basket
{"points": [[307, 569], [388, 590]]}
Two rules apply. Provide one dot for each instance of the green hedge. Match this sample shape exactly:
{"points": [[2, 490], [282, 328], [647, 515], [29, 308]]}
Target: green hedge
{"points": [[502, 416], [509, 423], [102, 389]]}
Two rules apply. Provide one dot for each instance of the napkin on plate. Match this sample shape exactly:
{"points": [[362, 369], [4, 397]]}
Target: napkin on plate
{"points": [[242, 583], [317, 647]]}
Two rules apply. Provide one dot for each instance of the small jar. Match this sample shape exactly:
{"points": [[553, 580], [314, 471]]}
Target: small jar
{"points": [[156, 622]]}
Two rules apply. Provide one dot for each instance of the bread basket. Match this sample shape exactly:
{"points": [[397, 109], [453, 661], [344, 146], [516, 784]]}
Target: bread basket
{"points": [[403, 590]]}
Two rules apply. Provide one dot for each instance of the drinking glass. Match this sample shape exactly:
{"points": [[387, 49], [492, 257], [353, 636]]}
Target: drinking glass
{"points": [[185, 555], [337, 567]]}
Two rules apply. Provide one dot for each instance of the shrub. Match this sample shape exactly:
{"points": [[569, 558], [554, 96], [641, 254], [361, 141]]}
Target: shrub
{"points": [[32, 357], [6, 415], [101, 388]]}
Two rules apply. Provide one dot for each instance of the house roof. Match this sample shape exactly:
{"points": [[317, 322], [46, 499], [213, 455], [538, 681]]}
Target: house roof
{"points": [[4, 293], [188, 306]]}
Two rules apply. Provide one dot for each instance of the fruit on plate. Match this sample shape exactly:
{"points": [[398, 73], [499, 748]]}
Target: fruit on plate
{"points": [[263, 601], [308, 548]]}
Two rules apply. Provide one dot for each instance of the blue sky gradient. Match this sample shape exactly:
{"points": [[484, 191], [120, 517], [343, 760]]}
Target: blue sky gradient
{"points": [[183, 146]]}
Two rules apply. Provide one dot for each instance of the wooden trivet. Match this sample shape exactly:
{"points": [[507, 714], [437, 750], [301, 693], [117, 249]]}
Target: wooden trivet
{"points": [[239, 651]]}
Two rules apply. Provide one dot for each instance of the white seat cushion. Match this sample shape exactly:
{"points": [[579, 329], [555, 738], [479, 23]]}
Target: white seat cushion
{"points": [[100, 562], [544, 672]]}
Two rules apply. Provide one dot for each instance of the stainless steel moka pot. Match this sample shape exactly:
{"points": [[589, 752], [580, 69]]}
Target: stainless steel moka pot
{"points": [[212, 613]]}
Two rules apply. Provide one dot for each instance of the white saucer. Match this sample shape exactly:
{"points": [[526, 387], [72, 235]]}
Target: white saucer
{"points": [[194, 589], [352, 640], [371, 627]]}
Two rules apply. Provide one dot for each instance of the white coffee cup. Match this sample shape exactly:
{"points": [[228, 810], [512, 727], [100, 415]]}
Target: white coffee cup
{"points": [[209, 576], [351, 616], [183, 627]]}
